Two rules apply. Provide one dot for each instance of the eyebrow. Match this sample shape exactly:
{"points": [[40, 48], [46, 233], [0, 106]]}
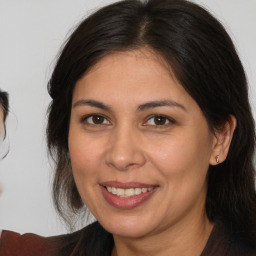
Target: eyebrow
{"points": [[142, 107], [92, 103], [160, 103]]}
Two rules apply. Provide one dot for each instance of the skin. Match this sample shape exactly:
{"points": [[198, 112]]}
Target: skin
{"points": [[129, 145]]}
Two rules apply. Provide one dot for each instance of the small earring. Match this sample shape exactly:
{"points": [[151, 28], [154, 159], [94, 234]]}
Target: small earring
{"points": [[217, 159]]}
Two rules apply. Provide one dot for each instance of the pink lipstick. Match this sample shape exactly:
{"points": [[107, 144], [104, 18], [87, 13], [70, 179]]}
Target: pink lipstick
{"points": [[126, 195]]}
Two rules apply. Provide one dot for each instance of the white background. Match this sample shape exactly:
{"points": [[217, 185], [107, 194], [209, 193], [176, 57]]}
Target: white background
{"points": [[31, 33]]}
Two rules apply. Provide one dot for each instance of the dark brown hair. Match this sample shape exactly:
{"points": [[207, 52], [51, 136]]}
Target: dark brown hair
{"points": [[4, 106], [203, 59]]}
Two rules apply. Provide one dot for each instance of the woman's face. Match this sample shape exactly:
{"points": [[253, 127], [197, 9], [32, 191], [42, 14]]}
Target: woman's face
{"points": [[139, 145]]}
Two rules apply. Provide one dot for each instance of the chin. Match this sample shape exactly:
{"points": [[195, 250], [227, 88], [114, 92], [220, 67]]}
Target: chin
{"points": [[127, 227]]}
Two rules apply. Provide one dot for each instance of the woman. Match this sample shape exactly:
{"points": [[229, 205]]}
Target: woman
{"points": [[151, 131]]}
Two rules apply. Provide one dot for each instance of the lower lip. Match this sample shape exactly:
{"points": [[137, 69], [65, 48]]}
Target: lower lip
{"points": [[126, 202]]}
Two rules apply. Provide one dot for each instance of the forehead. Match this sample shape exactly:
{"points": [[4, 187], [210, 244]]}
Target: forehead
{"points": [[139, 70], [143, 56]]}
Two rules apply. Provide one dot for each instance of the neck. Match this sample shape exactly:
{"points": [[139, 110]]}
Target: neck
{"points": [[179, 240]]}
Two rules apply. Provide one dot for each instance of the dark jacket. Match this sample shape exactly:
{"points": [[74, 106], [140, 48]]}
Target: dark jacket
{"points": [[98, 242]]}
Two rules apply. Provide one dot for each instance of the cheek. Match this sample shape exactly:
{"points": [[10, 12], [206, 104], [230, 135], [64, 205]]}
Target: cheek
{"points": [[183, 168], [84, 154], [85, 166], [183, 160], [83, 161]]}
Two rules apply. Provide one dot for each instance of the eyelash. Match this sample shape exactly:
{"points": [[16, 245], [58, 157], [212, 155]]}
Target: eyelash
{"points": [[169, 120], [166, 119], [87, 117]]}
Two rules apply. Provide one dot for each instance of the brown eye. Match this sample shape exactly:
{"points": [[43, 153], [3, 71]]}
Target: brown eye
{"points": [[160, 120], [96, 120]]}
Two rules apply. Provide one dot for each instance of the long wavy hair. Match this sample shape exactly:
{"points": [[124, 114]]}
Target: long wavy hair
{"points": [[204, 60]]}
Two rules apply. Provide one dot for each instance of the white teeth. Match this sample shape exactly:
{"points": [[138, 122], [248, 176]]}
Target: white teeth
{"points": [[114, 191], [137, 191], [129, 192], [120, 192], [144, 190]]}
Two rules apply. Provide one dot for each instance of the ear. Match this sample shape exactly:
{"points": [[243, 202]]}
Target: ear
{"points": [[222, 141]]}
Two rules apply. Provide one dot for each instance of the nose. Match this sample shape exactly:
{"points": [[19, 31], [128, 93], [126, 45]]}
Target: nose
{"points": [[125, 150]]}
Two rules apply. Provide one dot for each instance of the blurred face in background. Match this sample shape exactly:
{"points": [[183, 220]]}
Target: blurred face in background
{"points": [[2, 129], [4, 106], [1, 134], [3, 113]]}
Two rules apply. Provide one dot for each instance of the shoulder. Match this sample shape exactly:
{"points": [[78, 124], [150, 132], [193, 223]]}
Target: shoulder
{"points": [[13, 244], [239, 247], [91, 240], [224, 243]]}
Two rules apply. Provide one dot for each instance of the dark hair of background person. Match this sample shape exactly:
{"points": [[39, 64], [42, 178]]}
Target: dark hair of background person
{"points": [[204, 60], [4, 106]]}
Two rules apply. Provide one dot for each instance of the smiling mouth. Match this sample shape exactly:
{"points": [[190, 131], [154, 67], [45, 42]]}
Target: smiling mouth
{"points": [[129, 192], [127, 195]]}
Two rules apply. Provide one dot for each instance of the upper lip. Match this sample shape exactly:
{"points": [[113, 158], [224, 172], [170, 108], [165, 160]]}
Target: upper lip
{"points": [[124, 185]]}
